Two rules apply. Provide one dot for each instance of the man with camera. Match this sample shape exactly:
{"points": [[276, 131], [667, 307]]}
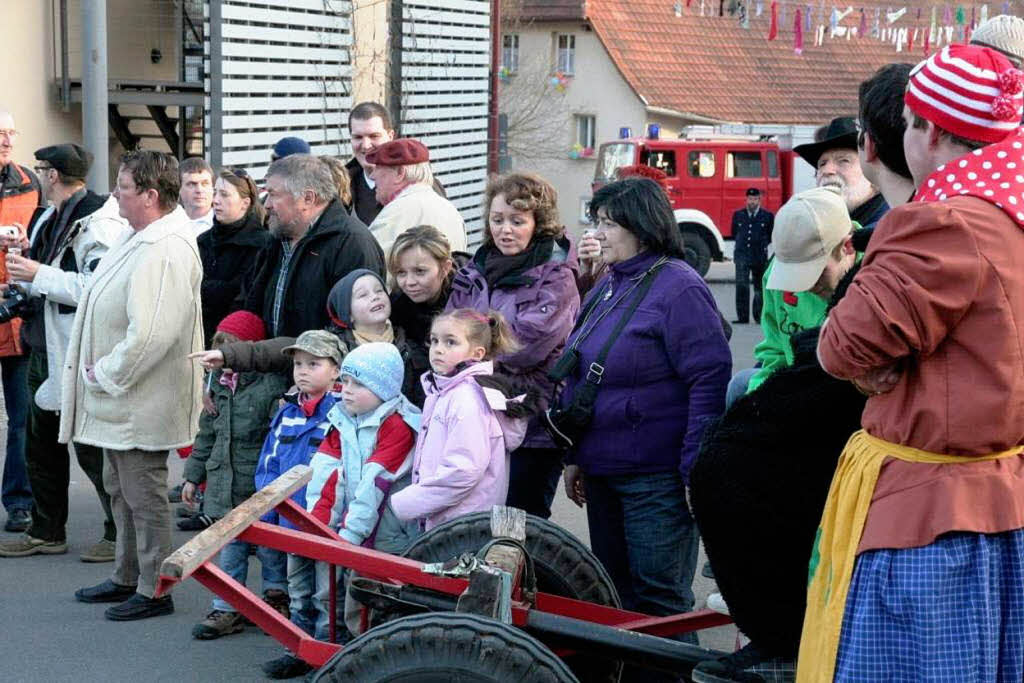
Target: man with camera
{"points": [[47, 285], [19, 198]]}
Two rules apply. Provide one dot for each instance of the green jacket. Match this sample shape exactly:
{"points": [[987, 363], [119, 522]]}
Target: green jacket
{"points": [[783, 314], [227, 448]]}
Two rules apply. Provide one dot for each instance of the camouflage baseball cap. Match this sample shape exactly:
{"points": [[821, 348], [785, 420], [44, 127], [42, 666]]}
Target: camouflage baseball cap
{"points": [[320, 343]]}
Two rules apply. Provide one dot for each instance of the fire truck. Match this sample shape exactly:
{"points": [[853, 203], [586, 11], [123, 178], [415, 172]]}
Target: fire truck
{"points": [[708, 178]]}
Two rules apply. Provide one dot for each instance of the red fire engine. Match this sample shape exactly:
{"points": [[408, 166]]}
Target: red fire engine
{"points": [[707, 181]]}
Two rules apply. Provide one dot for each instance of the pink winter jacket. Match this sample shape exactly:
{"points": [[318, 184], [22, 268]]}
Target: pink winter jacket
{"points": [[460, 463]]}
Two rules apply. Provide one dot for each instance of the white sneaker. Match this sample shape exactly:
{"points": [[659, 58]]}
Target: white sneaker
{"points": [[717, 603]]}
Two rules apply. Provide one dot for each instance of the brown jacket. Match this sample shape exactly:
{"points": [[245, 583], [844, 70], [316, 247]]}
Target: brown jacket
{"points": [[941, 292]]}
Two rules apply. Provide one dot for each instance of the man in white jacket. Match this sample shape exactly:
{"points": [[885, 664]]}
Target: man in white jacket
{"points": [[66, 247], [404, 184]]}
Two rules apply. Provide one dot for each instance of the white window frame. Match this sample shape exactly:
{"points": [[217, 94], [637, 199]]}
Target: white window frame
{"points": [[565, 53], [586, 131], [510, 52]]}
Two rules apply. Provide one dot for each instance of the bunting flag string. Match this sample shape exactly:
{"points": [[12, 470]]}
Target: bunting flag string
{"points": [[798, 33], [903, 27]]}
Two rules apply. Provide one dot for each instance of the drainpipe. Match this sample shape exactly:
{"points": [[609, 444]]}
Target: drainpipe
{"points": [[94, 93], [492, 104]]}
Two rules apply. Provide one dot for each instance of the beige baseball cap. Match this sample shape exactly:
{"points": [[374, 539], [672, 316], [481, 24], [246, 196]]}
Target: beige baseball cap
{"points": [[807, 228]]}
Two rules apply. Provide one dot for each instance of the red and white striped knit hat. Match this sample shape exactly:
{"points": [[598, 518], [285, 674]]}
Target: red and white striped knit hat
{"points": [[969, 91]]}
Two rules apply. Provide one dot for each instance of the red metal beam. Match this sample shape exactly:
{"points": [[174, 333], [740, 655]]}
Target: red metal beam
{"points": [[312, 651]]}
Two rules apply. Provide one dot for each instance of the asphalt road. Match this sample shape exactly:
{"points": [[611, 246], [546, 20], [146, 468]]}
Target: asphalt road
{"points": [[47, 636]]}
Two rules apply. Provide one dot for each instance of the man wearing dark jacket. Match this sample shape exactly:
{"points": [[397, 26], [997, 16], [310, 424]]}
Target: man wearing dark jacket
{"points": [[316, 244], [752, 230], [67, 245]]}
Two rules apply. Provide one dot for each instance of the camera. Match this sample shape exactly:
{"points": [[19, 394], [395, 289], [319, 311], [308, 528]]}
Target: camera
{"points": [[9, 231], [14, 304]]}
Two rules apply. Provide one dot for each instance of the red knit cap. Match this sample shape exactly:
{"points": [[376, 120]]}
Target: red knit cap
{"points": [[400, 152], [969, 91], [244, 325]]}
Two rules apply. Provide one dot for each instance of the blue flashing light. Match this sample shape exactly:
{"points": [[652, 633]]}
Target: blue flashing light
{"points": [[653, 130], [625, 132]]}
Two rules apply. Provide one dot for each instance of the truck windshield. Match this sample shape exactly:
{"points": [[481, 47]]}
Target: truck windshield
{"points": [[612, 156]]}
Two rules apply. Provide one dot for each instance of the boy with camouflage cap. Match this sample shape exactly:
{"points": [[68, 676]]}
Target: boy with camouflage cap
{"points": [[295, 434]]}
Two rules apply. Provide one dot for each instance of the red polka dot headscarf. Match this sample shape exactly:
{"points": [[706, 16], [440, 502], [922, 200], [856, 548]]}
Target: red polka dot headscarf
{"points": [[970, 91]]}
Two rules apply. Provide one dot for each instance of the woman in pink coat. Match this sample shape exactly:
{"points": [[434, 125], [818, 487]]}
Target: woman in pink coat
{"points": [[460, 463]]}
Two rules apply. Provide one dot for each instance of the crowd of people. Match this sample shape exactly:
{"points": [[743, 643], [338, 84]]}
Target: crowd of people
{"points": [[334, 319]]}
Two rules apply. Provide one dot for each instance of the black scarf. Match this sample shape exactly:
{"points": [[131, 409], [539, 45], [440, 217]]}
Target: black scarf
{"points": [[225, 231], [507, 271]]}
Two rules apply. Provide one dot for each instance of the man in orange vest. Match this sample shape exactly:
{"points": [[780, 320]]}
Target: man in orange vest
{"points": [[19, 198]]}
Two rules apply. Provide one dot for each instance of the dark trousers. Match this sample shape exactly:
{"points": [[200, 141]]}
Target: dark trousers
{"points": [[15, 492], [49, 466], [533, 479], [745, 270]]}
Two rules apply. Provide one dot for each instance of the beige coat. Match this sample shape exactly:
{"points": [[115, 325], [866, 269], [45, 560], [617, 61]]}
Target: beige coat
{"points": [[137, 321], [417, 205]]}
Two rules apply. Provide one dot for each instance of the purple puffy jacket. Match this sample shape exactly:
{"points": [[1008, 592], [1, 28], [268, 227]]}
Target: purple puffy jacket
{"points": [[541, 312]]}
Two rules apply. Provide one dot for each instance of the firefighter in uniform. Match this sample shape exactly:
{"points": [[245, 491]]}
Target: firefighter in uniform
{"points": [[752, 230]]}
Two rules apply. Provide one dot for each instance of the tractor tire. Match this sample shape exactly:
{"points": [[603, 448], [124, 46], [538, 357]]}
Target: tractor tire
{"points": [[697, 251], [564, 566], [445, 646]]}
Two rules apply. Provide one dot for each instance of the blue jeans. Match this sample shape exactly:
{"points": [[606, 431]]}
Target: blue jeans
{"points": [[642, 532], [309, 596], [16, 493], [738, 385], [234, 560]]}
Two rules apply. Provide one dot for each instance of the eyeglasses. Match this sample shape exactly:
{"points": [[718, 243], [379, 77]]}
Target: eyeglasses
{"points": [[8, 133], [239, 172], [42, 169]]}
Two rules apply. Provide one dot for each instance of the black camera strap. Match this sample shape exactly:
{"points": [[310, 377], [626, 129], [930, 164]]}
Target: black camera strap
{"points": [[596, 369]]}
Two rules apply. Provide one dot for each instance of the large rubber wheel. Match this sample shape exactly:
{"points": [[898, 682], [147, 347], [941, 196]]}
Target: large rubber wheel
{"points": [[445, 647], [697, 252], [564, 566]]}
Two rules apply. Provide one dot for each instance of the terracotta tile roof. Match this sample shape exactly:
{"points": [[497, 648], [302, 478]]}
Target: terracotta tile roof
{"points": [[712, 67]]}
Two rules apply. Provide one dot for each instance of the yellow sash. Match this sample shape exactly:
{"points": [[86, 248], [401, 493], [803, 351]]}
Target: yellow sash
{"points": [[835, 547]]}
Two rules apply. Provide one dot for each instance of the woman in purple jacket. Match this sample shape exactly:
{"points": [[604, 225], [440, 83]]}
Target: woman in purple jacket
{"points": [[664, 379], [526, 270]]}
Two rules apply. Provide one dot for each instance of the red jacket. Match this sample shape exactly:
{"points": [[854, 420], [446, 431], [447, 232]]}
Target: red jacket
{"points": [[19, 198]]}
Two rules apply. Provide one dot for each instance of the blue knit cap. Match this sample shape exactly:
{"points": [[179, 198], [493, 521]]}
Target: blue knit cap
{"points": [[287, 146], [377, 366]]}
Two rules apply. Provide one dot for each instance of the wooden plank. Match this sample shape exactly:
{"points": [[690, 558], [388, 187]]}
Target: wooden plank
{"points": [[311, 54], [281, 34], [285, 87], [473, 6], [430, 86], [445, 16], [320, 8], [420, 55], [423, 127], [269, 15], [412, 72], [234, 67], [414, 41], [268, 102], [436, 99], [266, 139], [186, 559], [309, 119], [430, 29]]}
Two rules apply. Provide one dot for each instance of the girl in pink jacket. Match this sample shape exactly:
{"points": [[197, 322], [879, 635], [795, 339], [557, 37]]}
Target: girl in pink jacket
{"points": [[460, 463]]}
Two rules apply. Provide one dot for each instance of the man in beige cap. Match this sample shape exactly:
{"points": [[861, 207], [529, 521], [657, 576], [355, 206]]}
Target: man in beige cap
{"points": [[813, 251]]}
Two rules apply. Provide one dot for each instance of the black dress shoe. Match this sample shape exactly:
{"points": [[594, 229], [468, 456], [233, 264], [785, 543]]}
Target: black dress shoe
{"points": [[740, 322], [108, 591], [140, 607]]}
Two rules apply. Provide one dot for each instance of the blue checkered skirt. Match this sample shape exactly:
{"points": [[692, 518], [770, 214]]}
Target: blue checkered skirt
{"points": [[949, 611]]}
